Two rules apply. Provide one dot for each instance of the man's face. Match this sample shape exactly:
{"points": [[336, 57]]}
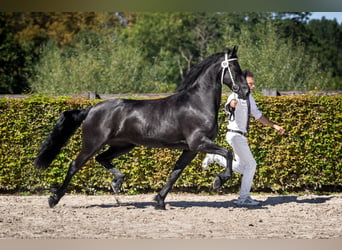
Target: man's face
{"points": [[250, 81]]}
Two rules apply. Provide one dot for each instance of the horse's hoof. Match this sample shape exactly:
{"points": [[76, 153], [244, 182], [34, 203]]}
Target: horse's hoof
{"points": [[220, 180], [160, 207], [217, 182], [116, 185], [160, 203], [53, 200]]}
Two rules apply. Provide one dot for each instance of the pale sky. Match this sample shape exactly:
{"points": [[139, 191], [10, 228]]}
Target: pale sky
{"points": [[328, 15]]}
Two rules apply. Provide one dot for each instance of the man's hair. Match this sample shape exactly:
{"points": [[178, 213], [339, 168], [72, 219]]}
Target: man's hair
{"points": [[247, 73]]}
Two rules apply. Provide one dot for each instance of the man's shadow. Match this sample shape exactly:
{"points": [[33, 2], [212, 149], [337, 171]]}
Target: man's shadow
{"points": [[270, 201], [278, 200]]}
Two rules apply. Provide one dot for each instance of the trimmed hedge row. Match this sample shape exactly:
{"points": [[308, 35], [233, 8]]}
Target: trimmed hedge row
{"points": [[284, 164]]}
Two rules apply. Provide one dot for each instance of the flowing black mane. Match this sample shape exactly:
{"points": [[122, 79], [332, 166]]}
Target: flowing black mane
{"points": [[197, 70]]}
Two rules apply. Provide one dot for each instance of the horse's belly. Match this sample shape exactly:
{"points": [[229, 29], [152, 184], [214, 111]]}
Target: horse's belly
{"points": [[157, 143]]}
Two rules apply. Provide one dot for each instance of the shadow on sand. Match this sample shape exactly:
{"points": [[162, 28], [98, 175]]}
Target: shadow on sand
{"points": [[270, 201]]}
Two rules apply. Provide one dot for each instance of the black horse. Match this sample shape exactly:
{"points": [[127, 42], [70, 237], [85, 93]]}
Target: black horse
{"points": [[185, 120]]}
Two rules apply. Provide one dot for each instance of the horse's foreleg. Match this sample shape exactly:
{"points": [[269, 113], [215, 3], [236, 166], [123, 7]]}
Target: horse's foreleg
{"points": [[106, 158], [183, 161], [209, 147]]}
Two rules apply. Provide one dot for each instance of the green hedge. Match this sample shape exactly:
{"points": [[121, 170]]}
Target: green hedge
{"points": [[284, 164]]}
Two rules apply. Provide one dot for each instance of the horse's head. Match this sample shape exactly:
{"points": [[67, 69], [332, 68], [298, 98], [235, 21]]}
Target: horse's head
{"points": [[232, 74]]}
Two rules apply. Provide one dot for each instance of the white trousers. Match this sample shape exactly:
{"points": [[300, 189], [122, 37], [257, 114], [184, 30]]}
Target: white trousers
{"points": [[244, 162]]}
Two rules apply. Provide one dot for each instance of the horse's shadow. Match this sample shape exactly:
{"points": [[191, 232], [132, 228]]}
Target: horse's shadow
{"points": [[169, 204], [270, 201]]}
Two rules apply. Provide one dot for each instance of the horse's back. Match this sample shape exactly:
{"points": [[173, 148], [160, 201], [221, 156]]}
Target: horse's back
{"points": [[165, 122], [118, 114]]}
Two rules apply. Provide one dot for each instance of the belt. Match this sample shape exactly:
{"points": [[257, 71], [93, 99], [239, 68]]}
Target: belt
{"points": [[237, 131]]}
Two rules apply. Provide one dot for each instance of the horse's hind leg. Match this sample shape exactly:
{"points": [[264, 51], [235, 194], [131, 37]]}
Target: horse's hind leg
{"points": [[183, 161], [74, 167], [105, 159]]}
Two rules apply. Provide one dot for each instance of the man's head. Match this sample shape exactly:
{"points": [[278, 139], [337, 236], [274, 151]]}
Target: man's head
{"points": [[250, 79]]}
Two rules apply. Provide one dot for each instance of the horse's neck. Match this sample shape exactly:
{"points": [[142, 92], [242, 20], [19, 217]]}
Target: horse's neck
{"points": [[209, 94], [216, 99], [212, 90], [206, 91]]}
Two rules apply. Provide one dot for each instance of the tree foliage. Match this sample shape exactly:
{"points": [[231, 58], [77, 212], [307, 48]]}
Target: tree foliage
{"points": [[96, 63], [278, 63], [119, 52]]}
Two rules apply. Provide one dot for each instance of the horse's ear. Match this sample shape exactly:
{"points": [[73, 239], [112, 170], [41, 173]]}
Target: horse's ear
{"points": [[235, 49]]}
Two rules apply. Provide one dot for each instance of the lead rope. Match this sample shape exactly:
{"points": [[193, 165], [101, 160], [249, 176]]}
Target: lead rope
{"points": [[231, 111], [248, 113]]}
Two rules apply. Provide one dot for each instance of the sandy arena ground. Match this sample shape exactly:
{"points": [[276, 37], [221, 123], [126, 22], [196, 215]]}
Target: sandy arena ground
{"points": [[188, 216]]}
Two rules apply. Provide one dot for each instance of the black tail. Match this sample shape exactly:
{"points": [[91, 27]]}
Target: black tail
{"points": [[65, 127]]}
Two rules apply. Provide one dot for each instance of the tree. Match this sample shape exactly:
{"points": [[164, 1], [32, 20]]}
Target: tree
{"points": [[164, 35], [96, 62], [162, 47], [277, 63], [23, 33], [14, 58], [326, 43]]}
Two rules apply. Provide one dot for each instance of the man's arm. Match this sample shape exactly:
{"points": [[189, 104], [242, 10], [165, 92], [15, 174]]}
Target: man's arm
{"points": [[264, 120]]}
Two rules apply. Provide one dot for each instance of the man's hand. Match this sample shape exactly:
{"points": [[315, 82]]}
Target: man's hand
{"points": [[233, 103], [280, 130], [264, 120]]}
